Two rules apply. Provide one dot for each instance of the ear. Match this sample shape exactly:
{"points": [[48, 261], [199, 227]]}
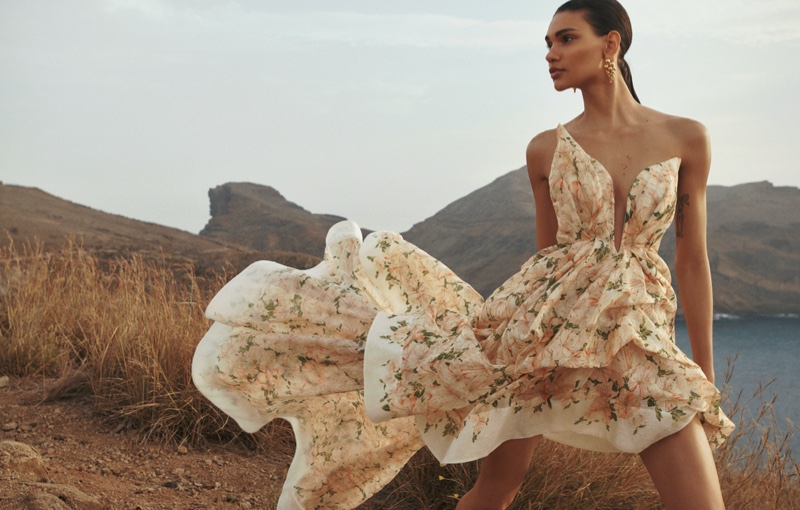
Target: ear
{"points": [[613, 40]]}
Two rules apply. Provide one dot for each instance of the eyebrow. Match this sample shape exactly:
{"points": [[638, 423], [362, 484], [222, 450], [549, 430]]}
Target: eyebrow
{"points": [[559, 33]]}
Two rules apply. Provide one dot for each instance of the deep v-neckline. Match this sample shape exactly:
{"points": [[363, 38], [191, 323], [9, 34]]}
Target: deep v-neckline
{"points": [[617, 245]]}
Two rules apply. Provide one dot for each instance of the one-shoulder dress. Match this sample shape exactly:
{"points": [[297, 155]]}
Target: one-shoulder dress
{"points": [[381, 349]]}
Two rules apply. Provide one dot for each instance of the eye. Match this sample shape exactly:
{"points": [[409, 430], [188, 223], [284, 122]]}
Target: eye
{"points": [[567, 38]]}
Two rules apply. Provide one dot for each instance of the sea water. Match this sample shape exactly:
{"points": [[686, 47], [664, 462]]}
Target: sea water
{"points": [[766, 351]]}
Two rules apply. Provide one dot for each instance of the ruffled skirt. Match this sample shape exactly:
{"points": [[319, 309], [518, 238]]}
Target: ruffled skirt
{"points": [[381, 349]]}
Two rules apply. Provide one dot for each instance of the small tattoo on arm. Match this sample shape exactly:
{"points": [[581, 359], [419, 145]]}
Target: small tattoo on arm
{"points": [[683, 201]]}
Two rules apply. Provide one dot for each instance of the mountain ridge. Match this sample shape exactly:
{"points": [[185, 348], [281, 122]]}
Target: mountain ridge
{"points": [[31, 215], [485, 236]]}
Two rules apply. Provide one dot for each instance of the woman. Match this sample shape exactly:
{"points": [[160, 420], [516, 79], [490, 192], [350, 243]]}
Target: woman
{"points": [[587, 41], [381, 349]]}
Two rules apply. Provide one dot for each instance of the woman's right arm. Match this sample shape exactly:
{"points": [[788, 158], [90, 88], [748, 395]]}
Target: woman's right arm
{"points": [[539, 157]]}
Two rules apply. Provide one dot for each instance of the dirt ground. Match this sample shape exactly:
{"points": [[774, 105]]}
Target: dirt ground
{"points": [[89, 465]]}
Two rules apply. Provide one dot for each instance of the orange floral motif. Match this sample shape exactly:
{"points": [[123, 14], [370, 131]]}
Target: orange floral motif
{"points": [[381, 349]]}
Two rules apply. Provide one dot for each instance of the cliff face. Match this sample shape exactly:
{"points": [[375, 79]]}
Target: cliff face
{"points": [[260, 217]]}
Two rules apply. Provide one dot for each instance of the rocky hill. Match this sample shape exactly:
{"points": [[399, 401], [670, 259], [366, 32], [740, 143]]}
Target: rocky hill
{"points": [[260, 217], [754, 247], [28, 214], [485, 236], [753, 235]]}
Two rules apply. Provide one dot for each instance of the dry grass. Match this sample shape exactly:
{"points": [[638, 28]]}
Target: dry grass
{"points": [[124, 328], [123, 332]]}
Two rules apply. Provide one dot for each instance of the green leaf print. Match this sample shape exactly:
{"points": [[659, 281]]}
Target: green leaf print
{"points": [[297, 303], [601, 251], [248, 344], [677, 414], [615, 284], [449, 355], [269, 307], [451, 428], [644, 332], [400, 324]]}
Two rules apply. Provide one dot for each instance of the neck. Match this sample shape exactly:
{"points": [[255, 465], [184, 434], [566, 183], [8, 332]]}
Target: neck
{"points": [[608, 105]]}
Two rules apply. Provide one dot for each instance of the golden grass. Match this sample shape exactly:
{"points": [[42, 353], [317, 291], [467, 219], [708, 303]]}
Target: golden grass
{"points": [[123, 331], [124, 327]]}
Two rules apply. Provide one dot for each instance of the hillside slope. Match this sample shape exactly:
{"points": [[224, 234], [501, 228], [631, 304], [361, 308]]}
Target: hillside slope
{"points": [[28, 214]]}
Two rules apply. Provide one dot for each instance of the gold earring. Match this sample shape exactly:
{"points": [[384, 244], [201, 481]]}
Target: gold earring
{"points": [[611, 69]]}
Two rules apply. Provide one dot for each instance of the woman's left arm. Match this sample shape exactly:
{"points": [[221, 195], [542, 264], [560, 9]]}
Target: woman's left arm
{"points": [[692, 268]]}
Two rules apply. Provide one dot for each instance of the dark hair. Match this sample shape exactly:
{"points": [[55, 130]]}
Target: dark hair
{"points": [[605, 16]]}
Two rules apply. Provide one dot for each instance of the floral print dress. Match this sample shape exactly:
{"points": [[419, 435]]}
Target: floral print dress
{"points": [[381, 349]]}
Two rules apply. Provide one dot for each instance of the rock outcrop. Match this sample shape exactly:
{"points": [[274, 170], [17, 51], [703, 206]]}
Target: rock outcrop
{"points": [[260, 217], [21, 459]]}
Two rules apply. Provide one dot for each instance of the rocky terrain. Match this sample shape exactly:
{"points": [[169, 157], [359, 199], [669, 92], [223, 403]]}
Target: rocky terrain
{"points": [[59, 455]]}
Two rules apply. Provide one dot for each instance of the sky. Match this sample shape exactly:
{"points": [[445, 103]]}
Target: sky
{"points": [[381, 112]]}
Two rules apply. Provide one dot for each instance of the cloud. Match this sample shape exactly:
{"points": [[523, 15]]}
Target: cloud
{"points": [[732, 21]]}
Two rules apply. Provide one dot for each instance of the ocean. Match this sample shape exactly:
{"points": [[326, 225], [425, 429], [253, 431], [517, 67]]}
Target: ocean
{"points": [[764, 351]]}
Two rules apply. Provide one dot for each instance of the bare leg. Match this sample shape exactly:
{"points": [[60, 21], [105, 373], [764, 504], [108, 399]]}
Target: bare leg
{"points": [[683, 470], [501, 476]]}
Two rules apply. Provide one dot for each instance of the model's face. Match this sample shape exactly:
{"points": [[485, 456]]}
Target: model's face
{"points": [[575, 53]]}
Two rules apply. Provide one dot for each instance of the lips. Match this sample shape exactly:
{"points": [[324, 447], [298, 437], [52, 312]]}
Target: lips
{"points": [[555, 71]]}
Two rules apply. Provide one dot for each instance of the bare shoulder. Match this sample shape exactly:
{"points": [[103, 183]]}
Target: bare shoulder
{"points": [[688, 135], [539, 154], [689, 131], [693, 146], [542, 144]]}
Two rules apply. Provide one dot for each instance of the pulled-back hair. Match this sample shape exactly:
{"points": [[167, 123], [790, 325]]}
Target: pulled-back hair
{"points": [[605, 16]]}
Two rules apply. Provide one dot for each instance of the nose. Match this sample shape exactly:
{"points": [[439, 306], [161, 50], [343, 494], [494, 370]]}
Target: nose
{"points": [[551, 57]]}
